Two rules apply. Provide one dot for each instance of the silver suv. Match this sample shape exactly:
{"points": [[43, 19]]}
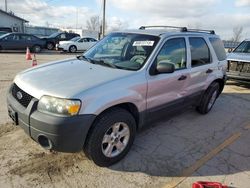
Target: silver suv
{"points": [[239, 62], [99, 100]]}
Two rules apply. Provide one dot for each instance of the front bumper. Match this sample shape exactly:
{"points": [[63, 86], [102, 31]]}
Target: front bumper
{"points": [[61, 48], [238, 70], [66, 134], [238, 76]]}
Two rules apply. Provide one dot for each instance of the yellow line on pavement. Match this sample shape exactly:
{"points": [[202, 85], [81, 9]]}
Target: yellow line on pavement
{"points": [[190, 170]]}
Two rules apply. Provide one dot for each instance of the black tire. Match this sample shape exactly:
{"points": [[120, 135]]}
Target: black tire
{"points": [[73, 49], [94, 144], [207, 102], [50, 46], [36, 49]]}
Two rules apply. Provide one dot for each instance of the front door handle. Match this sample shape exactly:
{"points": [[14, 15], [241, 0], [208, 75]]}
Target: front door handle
{"points": [[209, 71], [183, 77]]}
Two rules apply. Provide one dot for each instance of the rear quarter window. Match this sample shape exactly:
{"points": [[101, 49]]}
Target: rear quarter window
{"points": [[218, 48]]}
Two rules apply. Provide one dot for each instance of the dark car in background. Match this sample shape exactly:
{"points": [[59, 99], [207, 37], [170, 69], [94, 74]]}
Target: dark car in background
{"points": [[239, 62], [20, 41], [55, 38]]}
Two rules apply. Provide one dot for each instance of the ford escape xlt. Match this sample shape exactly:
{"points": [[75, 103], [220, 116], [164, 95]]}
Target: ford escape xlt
{"points": [[98, 101]]}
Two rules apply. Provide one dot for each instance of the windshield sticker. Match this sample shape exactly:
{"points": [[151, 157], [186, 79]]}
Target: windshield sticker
{"points": [[143, 43]]}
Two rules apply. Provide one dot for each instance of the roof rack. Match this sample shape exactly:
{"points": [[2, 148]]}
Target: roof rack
{"points": [[182, 29], [201, 31]]}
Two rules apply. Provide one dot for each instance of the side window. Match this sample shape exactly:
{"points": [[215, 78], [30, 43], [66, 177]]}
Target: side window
{"points": [[63, 36], [200, 53], [92, 40], [218, 48], [81, 40], [16, 37], [174, 51], [10, 37]]}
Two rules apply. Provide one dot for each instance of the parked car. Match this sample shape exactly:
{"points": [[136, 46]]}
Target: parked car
{"points": [[73, 39], [20, 41], [239, 62], [99, 100], [55, 38], [81, 44]]}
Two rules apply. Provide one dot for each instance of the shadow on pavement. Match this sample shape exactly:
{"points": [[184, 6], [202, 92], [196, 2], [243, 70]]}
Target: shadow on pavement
{"points": [[176, 144]]}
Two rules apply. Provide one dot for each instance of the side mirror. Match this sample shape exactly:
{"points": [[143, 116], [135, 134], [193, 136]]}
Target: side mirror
{"points": [[165, 67], [230, 50]]}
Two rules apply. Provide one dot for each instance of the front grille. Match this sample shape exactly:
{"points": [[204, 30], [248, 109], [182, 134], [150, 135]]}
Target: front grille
{"points": [[24, 98], [239, 66]]}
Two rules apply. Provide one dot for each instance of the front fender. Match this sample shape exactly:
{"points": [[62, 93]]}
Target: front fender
{"points": [[96, 105]]}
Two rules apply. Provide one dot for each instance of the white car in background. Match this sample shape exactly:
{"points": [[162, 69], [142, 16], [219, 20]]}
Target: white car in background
{"points": [[76, 44]]}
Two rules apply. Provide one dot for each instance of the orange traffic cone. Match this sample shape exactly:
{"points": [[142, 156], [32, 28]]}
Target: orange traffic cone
{"points": [[28, 54], [34, 62]]}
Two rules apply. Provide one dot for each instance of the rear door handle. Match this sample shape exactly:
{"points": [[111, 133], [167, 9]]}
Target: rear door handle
{"points": [[209, 71], [183, 77]]}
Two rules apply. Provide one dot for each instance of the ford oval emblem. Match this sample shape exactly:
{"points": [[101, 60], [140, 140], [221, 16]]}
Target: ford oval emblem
{"points": [[19, 95]]}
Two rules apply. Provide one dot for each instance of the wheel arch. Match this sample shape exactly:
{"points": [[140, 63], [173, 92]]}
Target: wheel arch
{"points": [[221, 83], [130, 107]]}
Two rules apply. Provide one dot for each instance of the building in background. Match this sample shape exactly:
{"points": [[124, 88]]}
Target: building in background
{"points": [[40, 31], [9, 20]]}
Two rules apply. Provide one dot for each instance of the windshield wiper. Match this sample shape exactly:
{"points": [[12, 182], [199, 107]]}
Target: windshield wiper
{"points": [[95, 61], [101, 62], [83, 57]]}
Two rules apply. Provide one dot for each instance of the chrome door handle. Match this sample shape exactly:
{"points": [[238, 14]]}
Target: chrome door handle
{"points": [[209, 71], [183, 77]]}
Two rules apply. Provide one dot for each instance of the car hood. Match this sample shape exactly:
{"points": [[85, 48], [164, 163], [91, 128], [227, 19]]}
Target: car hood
{"points": [[66, 79], [239, 57]]}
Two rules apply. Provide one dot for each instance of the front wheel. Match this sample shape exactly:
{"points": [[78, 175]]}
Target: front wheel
{"points": [[72, 49], [111, 137], [36, 49], [209, 98]]}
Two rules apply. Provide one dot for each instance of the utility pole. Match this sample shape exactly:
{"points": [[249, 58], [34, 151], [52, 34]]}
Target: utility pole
{"points": [[103, 18], [6, 8]]}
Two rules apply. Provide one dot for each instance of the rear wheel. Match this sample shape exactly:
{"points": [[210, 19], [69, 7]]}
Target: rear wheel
{"points": [[36, 49], [50, 46], [209, 98], [72, 49], [111, 137]]}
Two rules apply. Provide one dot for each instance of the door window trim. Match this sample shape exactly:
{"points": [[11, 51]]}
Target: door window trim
{"points": [[209, 50]]}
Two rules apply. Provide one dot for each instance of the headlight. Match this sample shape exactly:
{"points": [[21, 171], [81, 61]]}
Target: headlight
{"points": [[58, 106]]}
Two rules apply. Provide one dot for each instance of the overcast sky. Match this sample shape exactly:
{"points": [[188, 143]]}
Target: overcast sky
{"points": [[220, 15]]}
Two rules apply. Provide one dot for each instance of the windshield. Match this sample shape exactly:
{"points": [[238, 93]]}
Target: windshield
{"points": [[54, 35], [244, 47], [123, 50], [75, 39]]}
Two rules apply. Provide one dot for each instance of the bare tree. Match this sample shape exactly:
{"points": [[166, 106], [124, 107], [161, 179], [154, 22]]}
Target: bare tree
{"points": [[93, 23], [237, 34]]}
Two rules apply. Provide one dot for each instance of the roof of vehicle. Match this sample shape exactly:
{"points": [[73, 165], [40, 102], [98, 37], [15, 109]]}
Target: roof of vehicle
{"points": [[170, 30], [247, 39]]}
